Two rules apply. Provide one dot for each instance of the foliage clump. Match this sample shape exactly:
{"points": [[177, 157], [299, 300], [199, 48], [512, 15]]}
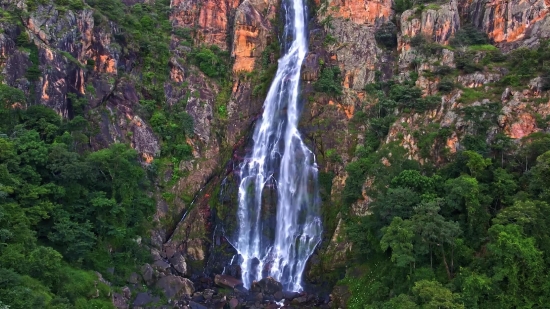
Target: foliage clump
{"points": [[65, 212], [386, 35], [329, 81], [466, 234]]}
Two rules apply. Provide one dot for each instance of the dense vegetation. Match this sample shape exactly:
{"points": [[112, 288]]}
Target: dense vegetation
{"points": [[470, 231], [472, 234], [65, 211]]}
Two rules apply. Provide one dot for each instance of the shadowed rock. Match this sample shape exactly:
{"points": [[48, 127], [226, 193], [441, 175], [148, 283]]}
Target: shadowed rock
{"points": [[227, 281], [174, 286]]}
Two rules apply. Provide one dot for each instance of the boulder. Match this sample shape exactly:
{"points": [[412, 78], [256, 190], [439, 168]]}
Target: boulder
{"points": [[147, 273], [288, 295], [175, 286], [119, 301], [233, 303], [299, 300], [227, 281], [194, 305], [161, 265], [126, 292], [208, 294], [134, 278], [268, 286], [179, 264], [155, 254], [278, 295], [143, 299]]}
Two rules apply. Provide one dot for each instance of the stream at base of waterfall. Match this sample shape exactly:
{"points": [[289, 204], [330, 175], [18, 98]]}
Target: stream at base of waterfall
{"points": [[280, 162]]}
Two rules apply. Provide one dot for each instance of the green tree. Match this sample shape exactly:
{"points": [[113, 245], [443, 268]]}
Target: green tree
{"points": [[476, 163], [517, 266], [11, 100], [400, 302], [436, 233], [433, 295], [399, 237], [539, 177]]}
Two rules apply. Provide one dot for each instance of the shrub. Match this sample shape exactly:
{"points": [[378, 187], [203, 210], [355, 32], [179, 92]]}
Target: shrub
{"points": [[469, 35], [402, 5], [466, 63], [425, 45], [329, 81], [209, 62], [443, 70], [387, 35], [428, 103], [445, 86]]}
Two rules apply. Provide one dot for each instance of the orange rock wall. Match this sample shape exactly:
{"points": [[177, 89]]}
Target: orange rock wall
{"points": [[508, 21], [210, 18], [361, 11], [252, 32], [438, 24]]}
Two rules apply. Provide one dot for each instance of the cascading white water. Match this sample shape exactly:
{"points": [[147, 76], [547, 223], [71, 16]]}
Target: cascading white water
{"points": [[281, 160]]}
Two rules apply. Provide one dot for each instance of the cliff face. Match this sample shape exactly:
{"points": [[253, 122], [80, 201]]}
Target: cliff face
{"points": [[211, 18], [438, 24], [75, 52], [352, 27], [510, 21]]}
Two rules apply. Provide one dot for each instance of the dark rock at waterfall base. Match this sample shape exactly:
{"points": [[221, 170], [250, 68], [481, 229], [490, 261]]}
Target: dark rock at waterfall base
{"points": [[299, 300], [288, 295], [278, 296], [240, 290], [194, 305], [233, 303], [228, 281], [198, 297], [268, 286]]}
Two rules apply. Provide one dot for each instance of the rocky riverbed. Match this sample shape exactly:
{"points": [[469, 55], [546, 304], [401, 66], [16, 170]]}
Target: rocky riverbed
{"points": [[222, 292]]}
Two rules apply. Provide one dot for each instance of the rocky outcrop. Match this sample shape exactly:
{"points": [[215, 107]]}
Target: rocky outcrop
{"points": [[268, 286], [522, 22], [227, 281], [366, 12], [71, 55], [209, 18], [175, 287], [252, 32], [478, 79], [352, 25], [519, 114], [437, 22]]}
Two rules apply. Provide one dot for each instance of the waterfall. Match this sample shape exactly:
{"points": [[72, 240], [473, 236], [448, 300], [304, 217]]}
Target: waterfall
{"points": [[280, 161]]}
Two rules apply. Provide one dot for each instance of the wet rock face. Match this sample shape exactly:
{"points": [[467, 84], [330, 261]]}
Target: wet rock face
{"points": [[268, 286], [510, 21]]}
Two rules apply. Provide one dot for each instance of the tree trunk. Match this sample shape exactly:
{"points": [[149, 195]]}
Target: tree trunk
{"points": [[449, 275]]}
